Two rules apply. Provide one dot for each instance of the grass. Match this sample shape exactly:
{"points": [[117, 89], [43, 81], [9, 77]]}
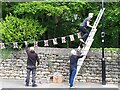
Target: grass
{"points": [[107, 49]]}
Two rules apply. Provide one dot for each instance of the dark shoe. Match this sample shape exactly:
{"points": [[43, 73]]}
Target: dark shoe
{"points": [[81, 45], [34, 85], [82, 41], [26, 84]]}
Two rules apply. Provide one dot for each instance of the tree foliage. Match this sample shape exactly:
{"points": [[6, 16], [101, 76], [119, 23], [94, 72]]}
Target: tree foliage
{"points": [[19, 30], [56, 19]]}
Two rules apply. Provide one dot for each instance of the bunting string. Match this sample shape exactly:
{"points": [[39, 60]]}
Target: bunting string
{"points": [[46, 42]]}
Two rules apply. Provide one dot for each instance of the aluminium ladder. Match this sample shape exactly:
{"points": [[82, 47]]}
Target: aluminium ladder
{"points": [[89, 41]]}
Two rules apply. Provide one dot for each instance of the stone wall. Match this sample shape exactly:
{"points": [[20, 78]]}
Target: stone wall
{"points": [[57, 59]]}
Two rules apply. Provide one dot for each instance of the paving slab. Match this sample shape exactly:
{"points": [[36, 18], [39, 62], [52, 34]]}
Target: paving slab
{"points": [[9, 83]]}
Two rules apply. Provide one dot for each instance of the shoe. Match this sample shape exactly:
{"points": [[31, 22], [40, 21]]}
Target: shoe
{"points": [[72, 87], [34, 85], [84, 45], [82, 41], [26, 84]]}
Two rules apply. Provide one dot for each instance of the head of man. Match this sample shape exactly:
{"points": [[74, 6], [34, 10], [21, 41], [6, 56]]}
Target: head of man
{"points": [[32, 49], [90, 15], [73, 52]]}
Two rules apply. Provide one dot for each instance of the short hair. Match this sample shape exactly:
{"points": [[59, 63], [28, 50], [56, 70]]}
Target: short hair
{"points": [[90, 14], [31, 48], [73, 52]]}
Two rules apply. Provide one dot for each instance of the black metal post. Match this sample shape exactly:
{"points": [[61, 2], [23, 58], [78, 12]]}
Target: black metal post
{"points": [[103, 60]]}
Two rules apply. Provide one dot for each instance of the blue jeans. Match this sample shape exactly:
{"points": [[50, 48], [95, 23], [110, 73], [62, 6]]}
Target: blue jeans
{"points": [[29, 69], [72, 76]]}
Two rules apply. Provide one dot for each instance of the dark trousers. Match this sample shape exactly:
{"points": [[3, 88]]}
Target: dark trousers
{"points": [[29, 69], [72, 76], [84, 33]]}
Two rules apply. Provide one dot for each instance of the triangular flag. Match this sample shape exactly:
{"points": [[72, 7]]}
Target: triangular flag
{"points": [[71, 38], [63, 39], [79, 35], [46, 43], [35, 44], [55, 41], [2, 45], [15, 45]]}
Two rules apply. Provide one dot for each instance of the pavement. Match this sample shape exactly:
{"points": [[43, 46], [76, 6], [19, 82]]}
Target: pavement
{"points": [[9, 83]]}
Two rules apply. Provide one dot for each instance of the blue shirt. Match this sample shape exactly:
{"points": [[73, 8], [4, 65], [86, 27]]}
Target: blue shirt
{"points": [[84, 23], [73, 61]]}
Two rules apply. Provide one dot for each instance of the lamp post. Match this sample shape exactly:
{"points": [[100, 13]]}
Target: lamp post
{"points": [[103, 59]]}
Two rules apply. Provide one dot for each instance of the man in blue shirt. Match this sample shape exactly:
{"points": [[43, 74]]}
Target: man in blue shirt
{"points": [[73, 66], [83, 27]]}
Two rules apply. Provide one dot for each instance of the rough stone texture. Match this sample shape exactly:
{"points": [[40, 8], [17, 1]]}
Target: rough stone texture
{"points": [[57, 59]]}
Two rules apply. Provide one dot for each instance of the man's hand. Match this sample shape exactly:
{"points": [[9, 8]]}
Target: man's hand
{"points": [[93, 27], [25, 43], [82, 55]]}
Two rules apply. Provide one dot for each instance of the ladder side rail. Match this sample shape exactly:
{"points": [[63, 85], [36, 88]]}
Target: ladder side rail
{"points": [[80, 61], [87, 47], [97, 17], [96, 24], [91, 35]]}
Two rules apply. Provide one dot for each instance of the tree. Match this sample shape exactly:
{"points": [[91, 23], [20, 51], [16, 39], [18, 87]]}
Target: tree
{"points": [[58, 19], [20, 30]]}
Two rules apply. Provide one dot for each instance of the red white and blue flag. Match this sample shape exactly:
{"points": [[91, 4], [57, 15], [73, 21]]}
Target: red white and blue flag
{"points": [[15, 45], [35, 44], [71, 37], [2, 45], [55, 41], [79, 35], [63, 39], [46, 43]]}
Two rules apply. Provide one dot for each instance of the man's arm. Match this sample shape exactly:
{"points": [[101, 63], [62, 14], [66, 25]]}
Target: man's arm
{"points": [[88, 24], [26, 46], [80, 56]]}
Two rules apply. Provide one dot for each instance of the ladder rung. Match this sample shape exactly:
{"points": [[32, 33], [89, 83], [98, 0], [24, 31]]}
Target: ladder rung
{"points": [[91, 35], [91, 39]]}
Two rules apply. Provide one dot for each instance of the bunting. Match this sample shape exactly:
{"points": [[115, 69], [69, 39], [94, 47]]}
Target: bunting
{"points": [[79, 35], [71, 37], [46, 42], [63, 39], [55, 41], [15, 45], [2, 45], [35, 44]]}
